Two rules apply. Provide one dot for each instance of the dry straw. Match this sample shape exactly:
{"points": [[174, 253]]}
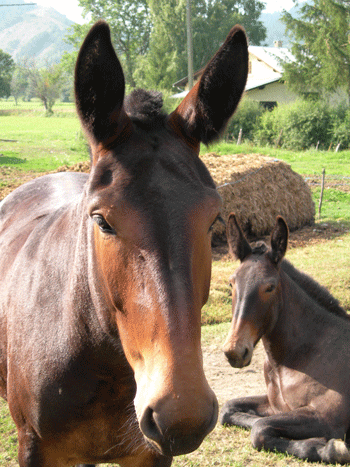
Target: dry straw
{"points": [[257, 189]]}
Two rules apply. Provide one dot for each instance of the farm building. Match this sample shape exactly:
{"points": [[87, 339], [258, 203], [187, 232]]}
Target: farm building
{"points": [[265, 73]]}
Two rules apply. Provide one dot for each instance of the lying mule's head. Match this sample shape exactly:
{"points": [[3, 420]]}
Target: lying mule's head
{"points": [[256, 290], [152, 205]]}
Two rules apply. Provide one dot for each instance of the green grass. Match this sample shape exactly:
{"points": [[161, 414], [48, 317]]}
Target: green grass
{"points": [[8, 437], [35, 106], [39, 143], [335, 203]]}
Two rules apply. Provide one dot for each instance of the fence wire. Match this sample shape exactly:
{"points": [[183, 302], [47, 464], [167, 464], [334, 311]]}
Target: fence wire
{"points": [[338, 182]]}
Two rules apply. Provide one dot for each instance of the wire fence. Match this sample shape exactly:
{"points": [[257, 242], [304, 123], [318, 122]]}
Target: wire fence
{"points": [[338, 182]]}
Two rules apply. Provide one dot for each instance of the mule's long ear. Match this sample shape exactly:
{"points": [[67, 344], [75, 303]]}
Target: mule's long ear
{"points": [[207, 108], [238, 244], [100, 87], [279, 240]]}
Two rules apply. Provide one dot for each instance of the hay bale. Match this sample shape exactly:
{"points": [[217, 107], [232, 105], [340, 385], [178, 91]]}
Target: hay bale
{"points": [[258, 188]]}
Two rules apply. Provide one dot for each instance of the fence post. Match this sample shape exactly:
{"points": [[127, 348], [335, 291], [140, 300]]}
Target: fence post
{"points": [[278, 141], [321, 195], [239, 141]]}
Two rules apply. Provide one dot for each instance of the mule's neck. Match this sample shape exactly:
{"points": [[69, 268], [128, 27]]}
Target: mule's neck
{"points": [[300, 324]]}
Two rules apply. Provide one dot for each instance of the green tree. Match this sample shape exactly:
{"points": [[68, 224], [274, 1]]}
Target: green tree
{"points": [[166, 61], [19, 81], [167, 47], [130, 25], [7, 66], [321, 47], [75, 36], [46, 83]]}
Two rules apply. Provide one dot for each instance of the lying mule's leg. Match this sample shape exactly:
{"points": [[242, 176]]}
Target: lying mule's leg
{"points": [[245, 411], [302, 434]]}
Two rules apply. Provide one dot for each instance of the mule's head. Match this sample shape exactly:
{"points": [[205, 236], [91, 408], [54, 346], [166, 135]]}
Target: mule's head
{"points": [[152, 205], [256, 290]]}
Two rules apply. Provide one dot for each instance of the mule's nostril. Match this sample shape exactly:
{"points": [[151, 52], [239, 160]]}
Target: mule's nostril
{"points": [[245, 353], [149, 427]]}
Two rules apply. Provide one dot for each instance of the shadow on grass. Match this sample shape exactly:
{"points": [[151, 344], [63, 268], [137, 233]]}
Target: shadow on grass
{"points": [[8, 160]]}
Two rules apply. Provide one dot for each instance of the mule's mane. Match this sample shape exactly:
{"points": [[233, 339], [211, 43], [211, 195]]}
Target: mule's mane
{"points": [[314, 290], [145, 108]]}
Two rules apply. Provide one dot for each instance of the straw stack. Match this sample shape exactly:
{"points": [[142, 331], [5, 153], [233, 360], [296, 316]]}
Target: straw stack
{"points": [[258, 188]]}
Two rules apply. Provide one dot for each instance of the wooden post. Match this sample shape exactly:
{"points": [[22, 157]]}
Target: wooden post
{"points": [[189, 45], [317, 145], [278, 142], [337, 148], [321, 195], [239, 141]]}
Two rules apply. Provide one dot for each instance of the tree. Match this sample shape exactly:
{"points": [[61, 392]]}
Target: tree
{"points": [[130, 25], [321, 47], [20, 79], [6, 69], [167, 47], [211, 21], [46, 83]]}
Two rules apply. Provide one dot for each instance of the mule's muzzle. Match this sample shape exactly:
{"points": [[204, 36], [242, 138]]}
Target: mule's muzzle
{"points": [[182, 437], [239, 357]]}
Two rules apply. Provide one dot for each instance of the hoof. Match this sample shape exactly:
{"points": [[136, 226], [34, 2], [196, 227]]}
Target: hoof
{"points": [[334, 451]]}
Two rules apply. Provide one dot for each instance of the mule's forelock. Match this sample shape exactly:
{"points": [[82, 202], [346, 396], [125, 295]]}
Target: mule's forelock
{"points": [[145, 108]]}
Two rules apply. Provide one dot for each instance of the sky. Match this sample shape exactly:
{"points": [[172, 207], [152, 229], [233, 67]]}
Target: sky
{"points": [[71, 8]]}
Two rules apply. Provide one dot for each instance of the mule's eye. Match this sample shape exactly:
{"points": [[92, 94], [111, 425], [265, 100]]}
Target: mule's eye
{"points": [[103, 224], [270, 288], [217, 219]]}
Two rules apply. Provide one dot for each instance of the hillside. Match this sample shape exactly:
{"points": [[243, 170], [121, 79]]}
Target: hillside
{"points": [[275, 29], [33, 32]]}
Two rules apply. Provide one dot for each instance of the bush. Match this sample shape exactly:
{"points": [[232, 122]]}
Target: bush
{"points": [[340, 126], [247, 117], [303, 124]]}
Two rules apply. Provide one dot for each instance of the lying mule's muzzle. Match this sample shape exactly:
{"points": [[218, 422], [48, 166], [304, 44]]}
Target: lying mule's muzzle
{"points": [[238, 353], [240, 358]]}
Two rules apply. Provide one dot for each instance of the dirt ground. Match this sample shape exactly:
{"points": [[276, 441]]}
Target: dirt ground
{"points": [[228, 382]]}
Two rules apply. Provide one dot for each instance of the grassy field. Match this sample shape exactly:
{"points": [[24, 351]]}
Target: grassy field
{"points": [[29, 141]]}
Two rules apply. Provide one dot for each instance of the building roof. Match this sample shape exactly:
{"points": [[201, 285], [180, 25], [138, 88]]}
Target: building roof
{"points": [[272, 56]]}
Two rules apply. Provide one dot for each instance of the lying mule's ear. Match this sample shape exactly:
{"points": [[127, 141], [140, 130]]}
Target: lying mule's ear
{"points": [[205, 111], [238, 245], [100, 87], [279, 240]]}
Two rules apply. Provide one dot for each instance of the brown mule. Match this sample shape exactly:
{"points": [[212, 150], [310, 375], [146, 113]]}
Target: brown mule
{"points": [[306, 335], [103, 277]]}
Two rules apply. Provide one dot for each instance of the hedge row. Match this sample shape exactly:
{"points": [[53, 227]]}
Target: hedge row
{"points": [[298, 126]]}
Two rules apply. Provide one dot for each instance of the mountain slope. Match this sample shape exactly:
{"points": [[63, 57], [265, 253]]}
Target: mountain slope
{"points": [[33, 32]]}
